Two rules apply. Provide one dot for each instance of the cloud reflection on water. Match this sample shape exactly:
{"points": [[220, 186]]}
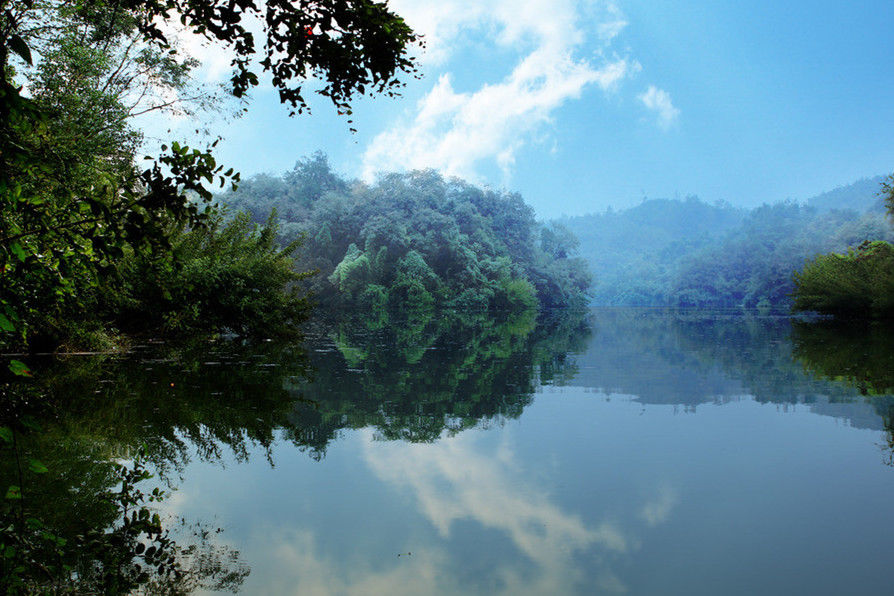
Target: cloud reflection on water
{"points": [[465, 478]]}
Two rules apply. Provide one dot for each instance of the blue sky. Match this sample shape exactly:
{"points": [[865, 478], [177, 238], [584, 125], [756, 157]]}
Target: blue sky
{"points": [[579, 105]]}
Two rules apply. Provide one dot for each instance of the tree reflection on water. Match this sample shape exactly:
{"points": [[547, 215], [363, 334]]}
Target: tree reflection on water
{"points": [[86, 520]]}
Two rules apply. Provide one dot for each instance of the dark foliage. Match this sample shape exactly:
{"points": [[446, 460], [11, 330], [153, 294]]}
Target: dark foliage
{"points": [[230, 275]]}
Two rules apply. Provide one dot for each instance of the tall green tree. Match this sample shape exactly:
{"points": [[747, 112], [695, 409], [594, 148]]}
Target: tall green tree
{"points": [[72, 198]]}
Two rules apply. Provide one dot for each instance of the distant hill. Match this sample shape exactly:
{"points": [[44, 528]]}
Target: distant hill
{"points": [[860, 196], [670, 252], [635, 252]]}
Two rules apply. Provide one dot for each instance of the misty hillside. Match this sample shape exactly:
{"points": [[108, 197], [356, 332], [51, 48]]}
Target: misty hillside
{"points": [[861, 195], [634, 253], [667, 252]]}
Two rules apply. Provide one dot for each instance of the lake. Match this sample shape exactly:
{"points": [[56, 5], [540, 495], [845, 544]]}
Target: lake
{"points": [[628, 451]]}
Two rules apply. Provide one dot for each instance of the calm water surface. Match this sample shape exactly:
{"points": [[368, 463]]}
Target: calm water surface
{"points": [[634, 451]]}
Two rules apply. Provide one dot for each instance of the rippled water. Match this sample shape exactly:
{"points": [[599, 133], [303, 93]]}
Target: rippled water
{"points": [[633, 451]]}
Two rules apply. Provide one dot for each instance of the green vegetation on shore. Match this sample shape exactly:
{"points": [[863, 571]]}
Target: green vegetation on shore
{"points": [[416, 240], [83, 214], [857, 284]]}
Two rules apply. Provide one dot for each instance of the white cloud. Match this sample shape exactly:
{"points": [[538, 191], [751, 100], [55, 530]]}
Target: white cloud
{"points": [[456, 131], [466, 478], [612, 23], [441, 23], [659, 101], [214, 58]]}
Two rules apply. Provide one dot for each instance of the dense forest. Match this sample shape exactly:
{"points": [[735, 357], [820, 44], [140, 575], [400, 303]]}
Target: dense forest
{"points": [[415, 240], [691, 253]]}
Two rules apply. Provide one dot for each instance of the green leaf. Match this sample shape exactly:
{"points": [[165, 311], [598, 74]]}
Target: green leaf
{"points": [[37, 467], [19, 368], [14, 492], [33, 523], [6, 434], [6, 324], [18, 45], [17, 249], [30, 423]]}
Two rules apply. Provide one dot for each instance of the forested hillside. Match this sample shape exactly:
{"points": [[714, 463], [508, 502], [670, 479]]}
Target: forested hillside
{"points": [[690, 253], [416, 240], [754, 264], [635, 253]]}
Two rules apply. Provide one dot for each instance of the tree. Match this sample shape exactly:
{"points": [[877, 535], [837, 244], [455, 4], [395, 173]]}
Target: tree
{"points": [[71, 197], [887, 194], [353, 46], [859, 284], [855, 284], [428, 240]]}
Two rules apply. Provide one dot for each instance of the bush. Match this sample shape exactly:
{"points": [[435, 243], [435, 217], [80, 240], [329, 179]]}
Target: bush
{"points": [[229, 276], [515, 294], [373, 299], [857, 284]]}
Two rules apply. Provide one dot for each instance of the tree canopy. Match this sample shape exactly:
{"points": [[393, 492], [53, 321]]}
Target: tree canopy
{"points": [[416, 240]]}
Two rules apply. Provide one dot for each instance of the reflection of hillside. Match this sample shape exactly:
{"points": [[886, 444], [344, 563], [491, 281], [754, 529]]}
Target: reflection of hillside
{"points": [[692, 357], [638, 352], [456, 372], [204, 398], [422, 376], [860, 354], [411, 379], [853, 355]]}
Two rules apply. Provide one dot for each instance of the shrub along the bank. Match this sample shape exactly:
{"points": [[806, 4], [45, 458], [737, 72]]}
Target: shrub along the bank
{"points": [[859, 283]]}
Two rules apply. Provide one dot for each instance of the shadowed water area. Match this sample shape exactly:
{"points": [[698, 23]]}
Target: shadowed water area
{"points": [[616, 451]]}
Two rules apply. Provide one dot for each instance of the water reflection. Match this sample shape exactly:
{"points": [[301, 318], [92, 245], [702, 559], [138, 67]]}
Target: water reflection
{"points": [[416, 381], [465, 480], [520, 455], [856, 355], [422, 378], [861, 355], [83, 514], [688, 358]]}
